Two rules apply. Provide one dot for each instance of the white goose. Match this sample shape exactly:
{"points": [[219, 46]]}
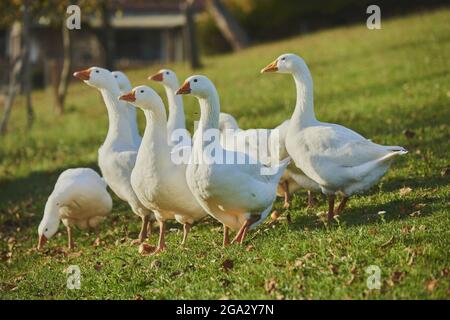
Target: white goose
{"points": [[117, 155], [125, 86], [176, 120], [78, 199], [237, 195], [337, 158], [158, 180]]}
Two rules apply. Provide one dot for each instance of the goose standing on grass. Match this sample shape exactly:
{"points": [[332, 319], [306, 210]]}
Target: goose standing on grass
{"points": [[158, 180], [176, 120], [117, 155], [78, 199], [125, 86], [292, 179], [337, 158], [237, 195]]}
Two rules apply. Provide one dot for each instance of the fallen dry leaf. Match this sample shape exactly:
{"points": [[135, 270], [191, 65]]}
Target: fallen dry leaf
{"points": [[397, 276], [445, 272], [333, 268], [431, 284], [270, 285], [409, 133], [249, 248], [404, 191], [387, 242], [138, 297], [227, 264], [275, 215], [98, 266], [146, 249]]}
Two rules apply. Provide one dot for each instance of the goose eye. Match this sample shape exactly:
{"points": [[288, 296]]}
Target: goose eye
{"points": [[46, 229], [115, 76], [283, 58], [195, 80], [97, 71], [142, 91], [167, 72]]}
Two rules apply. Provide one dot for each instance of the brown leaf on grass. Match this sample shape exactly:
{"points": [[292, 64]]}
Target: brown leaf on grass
{"points": [[416, 213], [75, 254], [350, 281], [138, 297], [397, 276], [333, 268], [354, 269], [431, 284], [409, 133], [270, 285], [146, 249], [299, 263], [227, 265], [249, 248], [97, 242], [445, 171], [98, 266], [445, 272], [176, 274], [404, 191], [274, 215]]}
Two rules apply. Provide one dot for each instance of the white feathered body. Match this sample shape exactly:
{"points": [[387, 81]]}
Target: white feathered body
{"points": [[339, 159], [81, 198]]}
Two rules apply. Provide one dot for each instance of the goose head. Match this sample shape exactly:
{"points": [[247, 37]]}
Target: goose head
{"points": [[197, 85], [122, 80], [49, 223], [96, 77], [286, 63], [167, 78], [143, 97]]}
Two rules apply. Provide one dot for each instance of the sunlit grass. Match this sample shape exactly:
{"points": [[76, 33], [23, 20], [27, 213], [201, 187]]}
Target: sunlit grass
{"points": [[379, 83]]}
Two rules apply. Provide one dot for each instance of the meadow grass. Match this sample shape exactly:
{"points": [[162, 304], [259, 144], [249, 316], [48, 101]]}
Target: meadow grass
{"points": [[380, 83]]}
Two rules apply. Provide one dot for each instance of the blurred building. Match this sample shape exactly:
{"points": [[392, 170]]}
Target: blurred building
{"points": [[144, 32]]}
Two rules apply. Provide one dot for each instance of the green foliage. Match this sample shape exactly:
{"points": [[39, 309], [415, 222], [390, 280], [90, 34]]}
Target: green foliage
{"points": [[379, 83]]}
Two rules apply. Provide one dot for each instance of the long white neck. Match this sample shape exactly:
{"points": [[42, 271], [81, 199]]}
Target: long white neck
{"points": [[154, 150], [303, 115], [119, 131], [132, 118], [177, 119], [209, 115]]}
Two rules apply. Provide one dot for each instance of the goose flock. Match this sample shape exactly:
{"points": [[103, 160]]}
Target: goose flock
{"points": [[222, 171]]}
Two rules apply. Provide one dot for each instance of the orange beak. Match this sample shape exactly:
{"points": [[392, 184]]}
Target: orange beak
{"points": [[130, 97], [83, 74], [272, 67], [185, 88], [156, 77], [42, 242]]}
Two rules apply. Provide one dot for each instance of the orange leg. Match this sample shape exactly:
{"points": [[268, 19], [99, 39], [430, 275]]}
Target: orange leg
{"points": [[186, 228], [162, 241], [226, 236]]}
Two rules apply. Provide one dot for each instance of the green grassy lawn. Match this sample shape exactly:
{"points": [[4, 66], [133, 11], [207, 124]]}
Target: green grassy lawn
{"points": [[380, 83]]}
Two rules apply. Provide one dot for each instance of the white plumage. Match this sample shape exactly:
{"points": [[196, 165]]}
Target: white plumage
{"points": [[117, 155], [79, 199], [157, 179], [237, 195], [337, 158]]}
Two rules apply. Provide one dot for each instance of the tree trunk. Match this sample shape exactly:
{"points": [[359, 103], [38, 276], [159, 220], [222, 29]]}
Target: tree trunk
{"points": [[191, 36], [107, 35], [65, 72], [27, 86], [228, 25], [16, 63]]}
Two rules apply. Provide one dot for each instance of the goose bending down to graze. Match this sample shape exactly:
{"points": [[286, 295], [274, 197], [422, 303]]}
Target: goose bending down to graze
{"points": [[124, 87], [79, 199], [157, 178], [117, 155], [337, 158], [177, 120], [238, 195]]}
